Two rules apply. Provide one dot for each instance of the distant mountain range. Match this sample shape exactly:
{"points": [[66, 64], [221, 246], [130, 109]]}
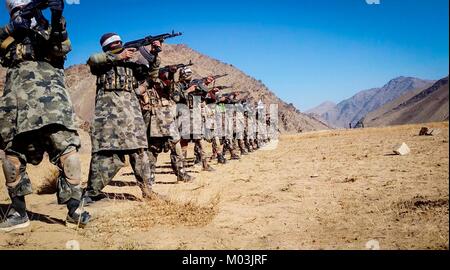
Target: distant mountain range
{"points": [[419, 106], [357, 107]]}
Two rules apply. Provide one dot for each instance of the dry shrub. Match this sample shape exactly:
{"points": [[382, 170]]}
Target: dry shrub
{"points": [[423, 204], [154, 212], [44, 177], [3, 191]]}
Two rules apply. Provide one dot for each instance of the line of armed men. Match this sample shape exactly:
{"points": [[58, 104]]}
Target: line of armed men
{"points": [[141, 110]]}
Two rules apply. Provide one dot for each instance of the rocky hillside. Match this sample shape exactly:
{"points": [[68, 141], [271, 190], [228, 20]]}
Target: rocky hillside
{"points": [[357, 107], [82, 87], [420, 106]]}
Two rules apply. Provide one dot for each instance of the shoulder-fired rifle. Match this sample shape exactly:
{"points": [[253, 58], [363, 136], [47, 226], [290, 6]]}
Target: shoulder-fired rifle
{"points": [[141, 44], [136, 44], [232, 98], [202, 89], [215, 77], [223, 87], [175, 68]]}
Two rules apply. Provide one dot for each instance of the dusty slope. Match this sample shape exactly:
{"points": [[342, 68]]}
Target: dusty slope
{"points": [[322, 190], [422, 106]]}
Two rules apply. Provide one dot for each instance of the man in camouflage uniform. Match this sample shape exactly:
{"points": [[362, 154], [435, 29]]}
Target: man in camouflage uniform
{"points": [[193, 118], [261, 125], [211, 135], [239, 126], [227, 113], [36, 114], [118, 129], [249, 136], [159, 110]]}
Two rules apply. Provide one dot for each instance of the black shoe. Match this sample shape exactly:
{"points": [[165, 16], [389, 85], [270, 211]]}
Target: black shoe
{"points": [[78, 219], [14, 221]]}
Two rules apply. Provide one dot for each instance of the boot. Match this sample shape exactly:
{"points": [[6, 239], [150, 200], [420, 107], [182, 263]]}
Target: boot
{"points": [[234, 155], [186, 178], [182, 175], [197, 161], [221, 159], [79, 219], [147, 192], [243, 149], [206, 166]]}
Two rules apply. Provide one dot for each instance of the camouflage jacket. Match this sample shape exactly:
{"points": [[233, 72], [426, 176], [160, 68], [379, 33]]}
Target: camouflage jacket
{"points": [[197, 113], [35, 94], [118, 122], [161, 115]]}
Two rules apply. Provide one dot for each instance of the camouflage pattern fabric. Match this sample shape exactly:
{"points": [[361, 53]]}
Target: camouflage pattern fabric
{"points": [[30, 148], [106, 164], [161, 118], [118, 122], [239, 122], [34, 97], [210, 122]]}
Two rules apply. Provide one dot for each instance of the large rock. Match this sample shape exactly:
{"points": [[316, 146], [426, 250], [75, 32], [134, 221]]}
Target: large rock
{"points": [[402, 150]]}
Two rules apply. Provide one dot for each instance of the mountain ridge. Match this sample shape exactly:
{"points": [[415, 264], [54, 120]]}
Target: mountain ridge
{"points": [[353, 109], [430, 104]]}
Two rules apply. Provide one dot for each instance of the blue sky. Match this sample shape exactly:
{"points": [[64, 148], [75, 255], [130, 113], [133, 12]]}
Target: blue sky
{"points": [[306, 51]]}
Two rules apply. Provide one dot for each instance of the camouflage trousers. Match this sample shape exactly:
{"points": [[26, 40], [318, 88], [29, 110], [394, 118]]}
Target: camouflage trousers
{"points": [[240, 144], [229, 145], [165, 144], [215, 143], [106, 164], [199, 150], [213, 139], [30, 147]]}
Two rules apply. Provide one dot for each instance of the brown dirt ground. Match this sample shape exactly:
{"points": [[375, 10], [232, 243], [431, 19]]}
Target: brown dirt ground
{"points": [[321, 190]]}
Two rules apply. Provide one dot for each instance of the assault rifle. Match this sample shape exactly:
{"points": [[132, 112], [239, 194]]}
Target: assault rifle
{"points": [[136, 44], [215, 77], [175, 68], [232, 98], [220, 88], [141, 44]]}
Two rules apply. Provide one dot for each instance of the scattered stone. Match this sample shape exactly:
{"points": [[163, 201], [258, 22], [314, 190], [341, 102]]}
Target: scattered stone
{"points": [[402, 150]]}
